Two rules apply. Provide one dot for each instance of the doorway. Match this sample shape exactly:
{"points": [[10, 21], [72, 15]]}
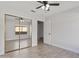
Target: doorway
{"points": [[40, 32], [17, 33]]}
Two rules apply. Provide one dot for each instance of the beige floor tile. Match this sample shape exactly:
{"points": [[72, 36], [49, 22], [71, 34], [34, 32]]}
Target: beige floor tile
{"points": [[41, 51]]}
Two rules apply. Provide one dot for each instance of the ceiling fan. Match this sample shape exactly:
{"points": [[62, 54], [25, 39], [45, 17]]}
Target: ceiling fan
{"points": [[45, 5]]}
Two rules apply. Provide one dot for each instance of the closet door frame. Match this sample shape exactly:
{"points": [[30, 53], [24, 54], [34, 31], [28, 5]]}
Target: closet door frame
{"points": [[6, 33]]}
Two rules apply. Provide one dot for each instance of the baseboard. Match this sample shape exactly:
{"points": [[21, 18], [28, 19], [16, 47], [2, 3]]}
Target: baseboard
{"points": [[66, 48]]}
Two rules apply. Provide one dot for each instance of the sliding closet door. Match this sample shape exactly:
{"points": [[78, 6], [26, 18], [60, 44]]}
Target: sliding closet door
{"points": [[11, 42], [18, 33], [25, 35]]}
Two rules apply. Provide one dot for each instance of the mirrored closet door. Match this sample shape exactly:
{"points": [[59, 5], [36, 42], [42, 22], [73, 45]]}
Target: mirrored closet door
{"points": [[17, 33], [25, 35]]}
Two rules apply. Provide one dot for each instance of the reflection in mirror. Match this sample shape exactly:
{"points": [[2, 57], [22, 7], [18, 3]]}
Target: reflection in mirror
{"points": [[21, 30], [17, 33]]}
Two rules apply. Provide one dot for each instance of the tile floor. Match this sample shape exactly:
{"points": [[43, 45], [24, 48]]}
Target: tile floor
{"points": [[41, 51]]}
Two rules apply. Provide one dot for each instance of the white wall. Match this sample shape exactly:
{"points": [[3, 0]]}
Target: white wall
{"points": [[1, 35], [34, 33], [47, 31], [65, 29]]}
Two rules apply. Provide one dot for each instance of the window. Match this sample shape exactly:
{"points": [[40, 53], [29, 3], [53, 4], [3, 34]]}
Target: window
{"points": [[21, 30]]}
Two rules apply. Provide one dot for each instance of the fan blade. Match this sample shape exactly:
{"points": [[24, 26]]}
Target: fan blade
{"points": [[39, 7], [32, 11], [45, 2], [40, 2], [54, 4]]}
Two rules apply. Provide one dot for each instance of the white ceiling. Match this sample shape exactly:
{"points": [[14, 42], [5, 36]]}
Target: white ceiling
{"points": [[27, 6]]}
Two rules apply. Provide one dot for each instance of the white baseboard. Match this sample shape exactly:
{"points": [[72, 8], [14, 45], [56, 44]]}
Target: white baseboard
{"points": [[66, 48]]}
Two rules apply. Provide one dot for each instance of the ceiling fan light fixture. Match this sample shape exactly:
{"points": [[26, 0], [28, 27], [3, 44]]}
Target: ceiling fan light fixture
{"points": [[43, 7], [47, 7], [21, 20]]}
